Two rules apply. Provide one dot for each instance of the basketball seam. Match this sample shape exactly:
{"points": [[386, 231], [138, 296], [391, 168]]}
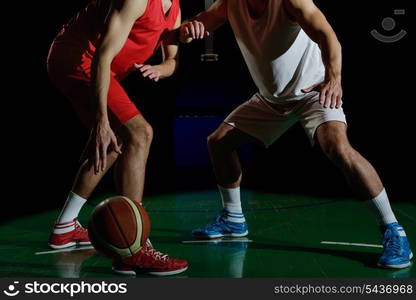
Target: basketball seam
{"points": [[135, 221], [119, 228]]}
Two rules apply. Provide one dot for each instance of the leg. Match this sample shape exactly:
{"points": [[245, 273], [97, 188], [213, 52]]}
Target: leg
{"points": [[360, 174], [67, 231], [363, 178], [137, 137], [86, 179], [253, 121], [222, 146]]}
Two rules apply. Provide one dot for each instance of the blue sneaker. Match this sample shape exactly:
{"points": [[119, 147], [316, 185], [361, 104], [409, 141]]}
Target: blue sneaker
{"points": [[222, 227], [397, 253]]}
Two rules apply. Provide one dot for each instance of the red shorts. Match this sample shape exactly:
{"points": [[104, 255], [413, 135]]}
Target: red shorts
{"points": [[69, 70]]}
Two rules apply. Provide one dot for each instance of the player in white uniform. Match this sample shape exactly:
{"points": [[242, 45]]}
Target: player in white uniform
{"points": [[294, 58]]}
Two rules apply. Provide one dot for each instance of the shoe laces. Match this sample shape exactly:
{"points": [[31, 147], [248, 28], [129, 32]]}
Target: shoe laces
{"points": [[392, 243], [219, 221], [156, 254], [78, 226]]}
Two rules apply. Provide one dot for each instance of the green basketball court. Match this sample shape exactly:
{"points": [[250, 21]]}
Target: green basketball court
{"points": [[290, 236]]}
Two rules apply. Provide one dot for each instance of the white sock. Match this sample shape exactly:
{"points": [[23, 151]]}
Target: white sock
{"points": [[70, 211], [232, 204], [382, 209]]}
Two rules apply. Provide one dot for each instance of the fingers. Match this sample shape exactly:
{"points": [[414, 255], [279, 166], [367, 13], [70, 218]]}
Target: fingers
{"points": [[149, 71], [202, 30], [195, 30], [115, 145], [330, 95], [192, 31], [316, 87], [97, 159], [339, 100], [103, 157], [334, 97], [308, 90], [331, 98], [144, 68], [322, 96]]}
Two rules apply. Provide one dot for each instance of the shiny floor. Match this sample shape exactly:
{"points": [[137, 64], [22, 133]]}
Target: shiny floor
{"points": [[290, 236]]}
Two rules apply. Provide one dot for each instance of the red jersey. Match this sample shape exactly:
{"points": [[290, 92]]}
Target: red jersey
{"points": [[85, 27]]}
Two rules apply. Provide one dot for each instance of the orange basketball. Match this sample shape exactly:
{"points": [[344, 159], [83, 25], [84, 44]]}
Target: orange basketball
{"points": [[119, 227]]}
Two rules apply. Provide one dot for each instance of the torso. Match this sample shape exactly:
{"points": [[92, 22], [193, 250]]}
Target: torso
{"points": [[281, 58], [167, 4], [83, 31], [256, 8]]}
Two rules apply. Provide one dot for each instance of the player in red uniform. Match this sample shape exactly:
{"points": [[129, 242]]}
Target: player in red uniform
{"points": [[101, 45]]}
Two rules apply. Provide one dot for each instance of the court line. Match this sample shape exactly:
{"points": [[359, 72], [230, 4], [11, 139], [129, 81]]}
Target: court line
{"points": [[217, 241], [351, 244], [64, 250], [404, 214]]}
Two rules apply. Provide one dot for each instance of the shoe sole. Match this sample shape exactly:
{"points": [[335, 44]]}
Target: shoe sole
{"points": [[67, 245], [401, 266], [122, 272], [215, 236], [132, 272]]}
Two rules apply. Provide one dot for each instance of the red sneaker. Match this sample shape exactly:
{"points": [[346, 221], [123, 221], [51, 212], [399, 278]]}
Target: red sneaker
{"points": [[77, 236], [149, 261]]}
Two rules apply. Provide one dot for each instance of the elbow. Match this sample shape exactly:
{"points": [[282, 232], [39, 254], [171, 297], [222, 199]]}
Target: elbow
{"points": [[103, 57], [338, 44], [176, 67]]}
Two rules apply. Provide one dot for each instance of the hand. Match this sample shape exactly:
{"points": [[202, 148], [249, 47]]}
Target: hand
{"points": [[101, 138], [330, 93], [151, 72], [192, 30]]}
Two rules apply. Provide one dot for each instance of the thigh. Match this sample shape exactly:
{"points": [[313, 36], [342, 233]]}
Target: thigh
{"points": [[260, 120], [332, 134], [119, 104], [231, 136], [313, 115], [76, 86]]}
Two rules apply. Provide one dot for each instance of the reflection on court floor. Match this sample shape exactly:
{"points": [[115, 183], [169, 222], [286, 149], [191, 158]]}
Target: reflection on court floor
{"points": [[290, 236]]}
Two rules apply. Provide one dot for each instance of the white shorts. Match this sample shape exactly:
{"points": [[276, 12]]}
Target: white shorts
{"points": [[267, 121]]}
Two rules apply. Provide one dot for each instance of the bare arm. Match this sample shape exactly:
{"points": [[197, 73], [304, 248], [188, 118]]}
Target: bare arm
{"points": [[208, 20], [122, 15], [170, 58], [314, 23]]}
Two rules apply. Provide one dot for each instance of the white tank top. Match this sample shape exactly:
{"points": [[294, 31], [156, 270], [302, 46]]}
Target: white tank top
{"points": [[281, 58]]}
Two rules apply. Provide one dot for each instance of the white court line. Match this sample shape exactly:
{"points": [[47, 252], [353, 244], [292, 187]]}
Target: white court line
{"points": [[64, 250], [217, 241], [351, 244]]}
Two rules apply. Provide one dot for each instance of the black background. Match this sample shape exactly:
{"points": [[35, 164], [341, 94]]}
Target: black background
{"points": [[43, 139]]}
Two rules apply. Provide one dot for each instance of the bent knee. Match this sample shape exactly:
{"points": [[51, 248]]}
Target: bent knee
{"points": [[218, 139], [339, 151], [139, 134]]}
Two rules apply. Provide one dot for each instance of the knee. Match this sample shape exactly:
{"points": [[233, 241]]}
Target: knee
{"points": [[213, 141], [139, 136], [339, 152], [216, 142]]}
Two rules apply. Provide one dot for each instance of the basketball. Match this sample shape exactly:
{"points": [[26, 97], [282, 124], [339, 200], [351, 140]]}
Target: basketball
{"points": [[118, 227]]}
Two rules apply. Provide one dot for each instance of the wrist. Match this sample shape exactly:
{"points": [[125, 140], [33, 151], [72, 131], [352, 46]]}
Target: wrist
{"points": [[101, 117], [333, 76], [167, 68]]}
